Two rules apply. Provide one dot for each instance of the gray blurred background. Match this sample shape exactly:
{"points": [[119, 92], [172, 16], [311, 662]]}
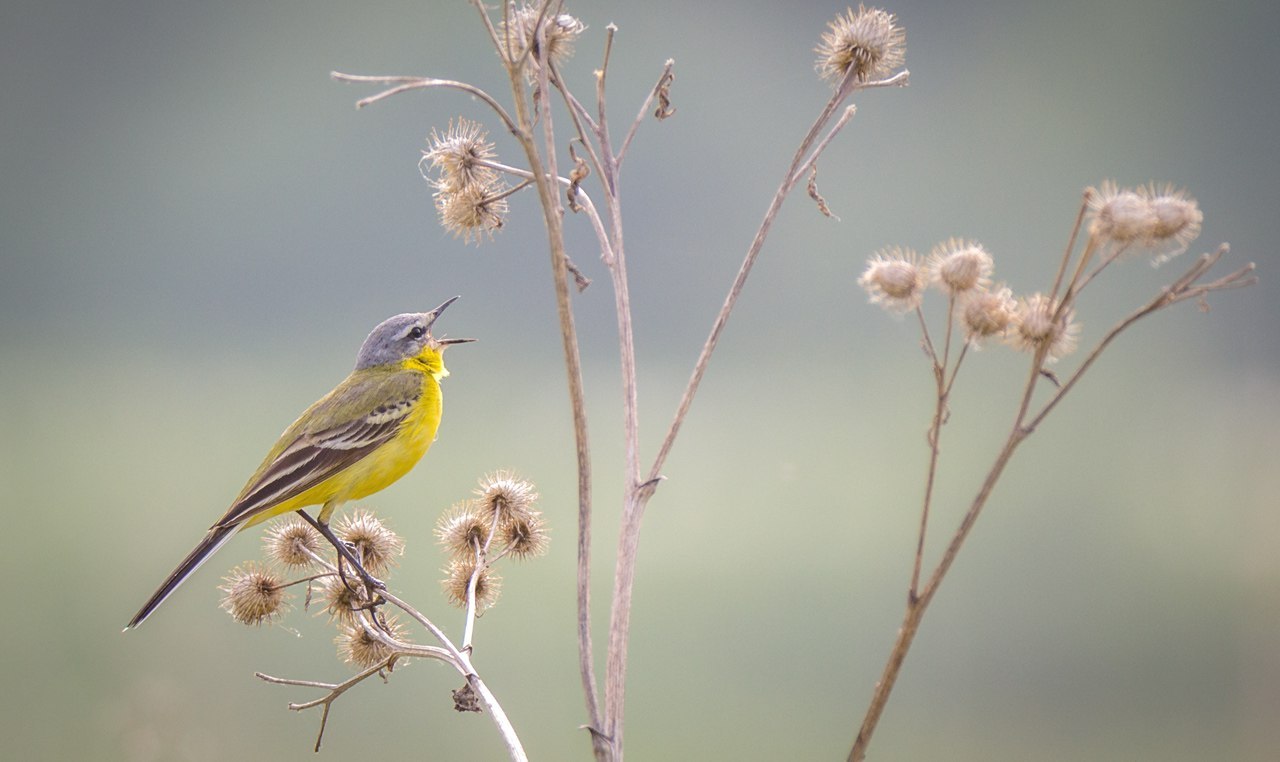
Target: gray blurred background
{"points": [[198, 230]]}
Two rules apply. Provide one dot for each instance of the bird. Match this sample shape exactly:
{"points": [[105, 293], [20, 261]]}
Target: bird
{"points": [[356, 440]]}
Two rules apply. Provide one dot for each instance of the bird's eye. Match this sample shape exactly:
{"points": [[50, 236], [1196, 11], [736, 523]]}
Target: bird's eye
{"points": [[417, 332]]}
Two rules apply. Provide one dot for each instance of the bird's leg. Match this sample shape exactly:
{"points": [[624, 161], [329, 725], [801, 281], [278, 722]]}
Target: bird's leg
{"points": [[345, 551]]}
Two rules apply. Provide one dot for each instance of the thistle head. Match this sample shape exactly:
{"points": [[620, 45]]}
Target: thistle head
{"points": [[895, 279], [986, 313], [1176, 221], [293, 543], [253, 594], [462, 530], [378, 548], [459, 154], [457, 583], [558, 32], [362, 650], [504, 495], [866, 44], [958, 266], [1035, 326]]}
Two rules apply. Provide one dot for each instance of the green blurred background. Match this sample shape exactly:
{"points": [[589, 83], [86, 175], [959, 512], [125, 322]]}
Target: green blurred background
{"points": [[198, 230]]}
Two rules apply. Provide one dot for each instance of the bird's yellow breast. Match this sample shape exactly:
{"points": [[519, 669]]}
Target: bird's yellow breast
{"points": [[395, 458]]}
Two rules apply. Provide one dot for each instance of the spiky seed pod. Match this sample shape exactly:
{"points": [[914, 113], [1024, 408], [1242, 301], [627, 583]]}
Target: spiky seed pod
{"points": [[340, 600], [253, 594], [1176, 221], [293, 543], [506, 495], [559, 31], [869, 43], [461, 530], [986, 313], [958, 266], [526, 536], [1119, 215], [361, 650], [1034, 327], [458, 578], [377, 547], [456, 154], [895, 279], [472, 212]]}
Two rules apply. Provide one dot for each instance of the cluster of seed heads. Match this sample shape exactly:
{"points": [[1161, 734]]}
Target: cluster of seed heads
{"points": [[256, 594], [502, 520], [1160, 221]]}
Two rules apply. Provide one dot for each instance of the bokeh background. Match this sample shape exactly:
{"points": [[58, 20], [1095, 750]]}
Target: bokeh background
{"points": [[198, 230]]}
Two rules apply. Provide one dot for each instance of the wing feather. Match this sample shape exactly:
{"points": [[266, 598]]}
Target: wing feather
{"points": [[372, 412]]}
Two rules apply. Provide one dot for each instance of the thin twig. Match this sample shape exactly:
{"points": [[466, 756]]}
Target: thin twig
{"points": [[804, 168], [468, 629], [334, 691], [488, 25], [1071, 244], [644, 109], [1182, 290], [789, 180], [423, 83]]}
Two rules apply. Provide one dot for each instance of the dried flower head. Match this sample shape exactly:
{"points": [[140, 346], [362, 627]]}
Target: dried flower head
{"points": [[985, 313], [458, 579], [377, 547], [958, 266], [867, 43], [895, 278], [560, 32], [1120, 215], [1176, 220], [253, 594], [462, 530], [293, 543], [456, 154], [1034, 327], [340, 599], [526, 536], [506, 495], [472, 212], [360, 649]]}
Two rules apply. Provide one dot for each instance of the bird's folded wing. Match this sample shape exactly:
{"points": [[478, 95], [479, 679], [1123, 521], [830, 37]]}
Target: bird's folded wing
{"points": [[315, 456]]}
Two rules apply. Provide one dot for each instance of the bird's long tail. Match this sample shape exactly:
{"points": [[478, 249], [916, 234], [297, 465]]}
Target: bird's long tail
{"points": [[215, 539]]}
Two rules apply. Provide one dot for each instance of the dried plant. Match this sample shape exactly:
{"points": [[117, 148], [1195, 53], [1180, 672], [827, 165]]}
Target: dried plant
{"points": [[472, 191], [1042, 325], [374, 642]]}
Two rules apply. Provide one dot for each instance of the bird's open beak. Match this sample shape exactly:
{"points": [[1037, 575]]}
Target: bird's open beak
{"points": [[439, 310], [435, 314]]}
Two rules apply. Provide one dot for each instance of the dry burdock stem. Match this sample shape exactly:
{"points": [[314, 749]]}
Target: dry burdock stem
{"points": [[862, 49], [1161, 223], [503, 521]]}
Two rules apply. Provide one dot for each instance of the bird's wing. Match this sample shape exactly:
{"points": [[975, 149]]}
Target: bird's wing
{"points": [[361, 414]]}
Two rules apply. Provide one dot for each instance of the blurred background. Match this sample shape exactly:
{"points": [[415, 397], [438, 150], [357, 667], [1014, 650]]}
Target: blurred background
{"points": [[198, 230]]}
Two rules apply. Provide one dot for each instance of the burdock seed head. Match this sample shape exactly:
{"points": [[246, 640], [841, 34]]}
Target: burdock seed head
{"points": [[294, 543], [377, 547], [1034, 327], [895, 279], [867, 43], [958, 266], [253, 594]]}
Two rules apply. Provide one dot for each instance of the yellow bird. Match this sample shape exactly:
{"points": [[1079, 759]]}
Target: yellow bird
{"points": [[357, 439]]}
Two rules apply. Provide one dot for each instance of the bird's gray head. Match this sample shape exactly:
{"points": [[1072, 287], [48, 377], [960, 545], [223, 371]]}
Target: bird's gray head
{"points": [[402, 337]]}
